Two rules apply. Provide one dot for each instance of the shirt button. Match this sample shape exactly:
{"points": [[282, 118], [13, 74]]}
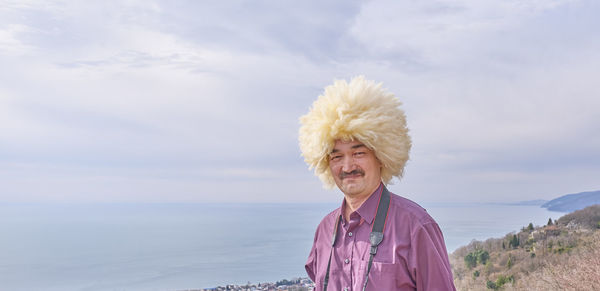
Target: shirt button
{"points": [[350, 234], [345, 288], [346, 261]]}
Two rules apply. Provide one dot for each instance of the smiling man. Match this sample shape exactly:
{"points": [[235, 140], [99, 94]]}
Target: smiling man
{"points": [[355, 137]]}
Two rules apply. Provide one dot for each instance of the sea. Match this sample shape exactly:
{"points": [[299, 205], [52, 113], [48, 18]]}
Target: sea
{"points": [[97, 247]]}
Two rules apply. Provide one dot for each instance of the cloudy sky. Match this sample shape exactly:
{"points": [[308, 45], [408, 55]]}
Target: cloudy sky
{"points": [[198, 101]]}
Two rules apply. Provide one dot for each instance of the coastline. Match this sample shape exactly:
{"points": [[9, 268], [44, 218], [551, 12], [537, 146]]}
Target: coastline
{"points": [[294, 284]]}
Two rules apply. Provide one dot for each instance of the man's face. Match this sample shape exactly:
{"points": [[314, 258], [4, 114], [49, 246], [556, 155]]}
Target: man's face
{"points": [[355, 168]]}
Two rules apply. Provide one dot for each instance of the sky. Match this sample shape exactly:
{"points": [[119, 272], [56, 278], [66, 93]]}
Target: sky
{"points": [[199, 101]]}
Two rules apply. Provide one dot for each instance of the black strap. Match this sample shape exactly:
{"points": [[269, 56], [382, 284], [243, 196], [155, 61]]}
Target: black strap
{"points": [[337, 222], [375, 237]]}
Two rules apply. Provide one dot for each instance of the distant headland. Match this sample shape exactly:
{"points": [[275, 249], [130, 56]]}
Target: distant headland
{"points": [[564, 203], [572, 202]]}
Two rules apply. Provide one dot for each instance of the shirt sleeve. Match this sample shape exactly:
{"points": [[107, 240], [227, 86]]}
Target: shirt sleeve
{"points": [[429, 259], [311, 262]]}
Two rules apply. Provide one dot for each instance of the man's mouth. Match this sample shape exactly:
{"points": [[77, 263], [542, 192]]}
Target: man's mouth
{"points": [[352, 174]]}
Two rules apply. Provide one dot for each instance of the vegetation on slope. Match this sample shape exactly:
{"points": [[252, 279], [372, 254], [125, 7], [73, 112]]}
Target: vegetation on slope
{"points": [[562, 255]]}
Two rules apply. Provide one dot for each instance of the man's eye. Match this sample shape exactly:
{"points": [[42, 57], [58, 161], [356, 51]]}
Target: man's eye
{"points": [[335, 158], [359, 154]]}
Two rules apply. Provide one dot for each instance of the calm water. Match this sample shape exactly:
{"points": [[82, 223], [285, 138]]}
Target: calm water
{"points": [[185, 246]]}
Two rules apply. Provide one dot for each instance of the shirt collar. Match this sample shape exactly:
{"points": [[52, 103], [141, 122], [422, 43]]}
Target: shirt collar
{"points": [[369, 207]]}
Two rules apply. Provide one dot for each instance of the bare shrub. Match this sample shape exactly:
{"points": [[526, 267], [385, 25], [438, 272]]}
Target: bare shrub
{"points": [[579, 271], [587, 217]]}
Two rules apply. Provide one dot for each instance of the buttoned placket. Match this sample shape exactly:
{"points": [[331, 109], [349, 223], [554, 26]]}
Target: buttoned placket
{"points": [[349, 244]]}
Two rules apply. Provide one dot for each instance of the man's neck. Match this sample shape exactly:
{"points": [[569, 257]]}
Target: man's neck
{"points": [[355, 201]]}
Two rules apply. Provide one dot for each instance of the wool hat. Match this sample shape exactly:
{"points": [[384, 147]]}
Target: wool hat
{"points": [[359, 110]]}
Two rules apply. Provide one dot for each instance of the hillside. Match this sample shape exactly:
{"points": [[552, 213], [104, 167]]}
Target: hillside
{"points": [[572, 202], [562, 255]]}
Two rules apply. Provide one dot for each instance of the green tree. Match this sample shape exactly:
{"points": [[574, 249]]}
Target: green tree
{"points": [[491, 285], [510, 262], [488, 268], [471, 260], [514, 242], [482, 256], [476, 257], [503, 280], [530, 227], [549, 221]]}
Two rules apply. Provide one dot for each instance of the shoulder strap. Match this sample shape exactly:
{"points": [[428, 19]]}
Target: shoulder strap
{"points": [[378, 226], [326, 281]]}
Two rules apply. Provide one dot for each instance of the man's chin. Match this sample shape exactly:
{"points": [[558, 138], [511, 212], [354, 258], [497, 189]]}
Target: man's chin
{"points": [[351, 188]]}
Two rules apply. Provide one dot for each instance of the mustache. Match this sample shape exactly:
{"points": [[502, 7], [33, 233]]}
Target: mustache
{"points": [[351, 173]]}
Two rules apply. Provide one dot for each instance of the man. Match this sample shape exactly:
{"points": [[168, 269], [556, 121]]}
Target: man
{"points": [[355, 137]]}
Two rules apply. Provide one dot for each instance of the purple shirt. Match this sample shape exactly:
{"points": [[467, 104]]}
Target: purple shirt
{"points": [[412, 255]]}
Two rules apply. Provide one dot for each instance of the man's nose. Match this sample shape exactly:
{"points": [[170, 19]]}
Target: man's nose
{"points": [[348, 164]]}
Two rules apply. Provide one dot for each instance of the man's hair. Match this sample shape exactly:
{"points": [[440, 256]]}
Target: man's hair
{"points": [[360, 110]]}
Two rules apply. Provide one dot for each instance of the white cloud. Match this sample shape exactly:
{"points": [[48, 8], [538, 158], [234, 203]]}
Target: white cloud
{"points": [[10, 44], [148, 99], [436, 31]]}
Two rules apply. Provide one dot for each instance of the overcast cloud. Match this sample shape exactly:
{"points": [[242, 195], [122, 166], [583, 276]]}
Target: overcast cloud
{"points": [[198, 101]]}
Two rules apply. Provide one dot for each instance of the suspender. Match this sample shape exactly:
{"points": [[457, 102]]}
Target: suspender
{"points": [[375, 238]]}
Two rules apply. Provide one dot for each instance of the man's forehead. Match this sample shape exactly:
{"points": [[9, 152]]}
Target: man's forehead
{"points": [[340, 144]]}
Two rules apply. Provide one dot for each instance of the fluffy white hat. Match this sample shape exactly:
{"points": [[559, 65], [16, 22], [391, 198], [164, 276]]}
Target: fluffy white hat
{"points": [[360, 110]]}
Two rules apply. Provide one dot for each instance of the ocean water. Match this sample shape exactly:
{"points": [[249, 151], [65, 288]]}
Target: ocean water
{"points": [[192, 246]]}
